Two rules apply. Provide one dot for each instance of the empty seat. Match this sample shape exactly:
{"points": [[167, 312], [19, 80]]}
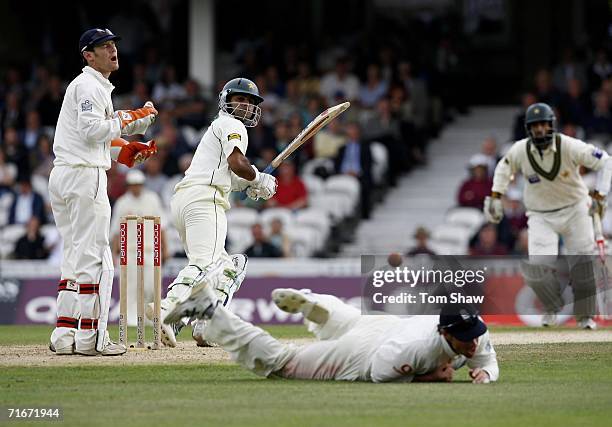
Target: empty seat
{"points": [[380, 161], [344, 184], [452, 235], [470, 218], [242, 217], [268, 215], [314, 184]]}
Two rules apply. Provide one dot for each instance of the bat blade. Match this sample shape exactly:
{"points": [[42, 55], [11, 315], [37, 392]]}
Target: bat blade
{"points": [[308, 132]]}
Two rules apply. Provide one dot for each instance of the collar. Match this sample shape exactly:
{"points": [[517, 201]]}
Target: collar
{"points": [[98, 75], [551, 147]]}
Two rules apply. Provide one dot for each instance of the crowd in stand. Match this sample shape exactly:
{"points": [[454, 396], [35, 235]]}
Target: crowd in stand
{"points": [[392, 104], [581, 95]]}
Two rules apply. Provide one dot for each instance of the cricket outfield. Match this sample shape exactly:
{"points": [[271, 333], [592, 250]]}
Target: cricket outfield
{"points": [[557, 377]]}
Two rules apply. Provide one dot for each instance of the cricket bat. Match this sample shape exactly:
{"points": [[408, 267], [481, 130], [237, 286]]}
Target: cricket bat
{"points": [[308, 132], [601, 246]]}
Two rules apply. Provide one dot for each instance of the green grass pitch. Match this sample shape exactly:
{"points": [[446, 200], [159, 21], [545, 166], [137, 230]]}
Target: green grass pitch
{"points": [[540, 385]]}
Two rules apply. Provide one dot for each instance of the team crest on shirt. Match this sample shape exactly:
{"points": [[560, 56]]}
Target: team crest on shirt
{"points": [[533, 179], [597, 153], [86, 106], [234, 136]]}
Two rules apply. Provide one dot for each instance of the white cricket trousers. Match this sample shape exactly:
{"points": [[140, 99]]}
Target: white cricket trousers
{"points": [[347, 340], [198, 213], [82, 213]]}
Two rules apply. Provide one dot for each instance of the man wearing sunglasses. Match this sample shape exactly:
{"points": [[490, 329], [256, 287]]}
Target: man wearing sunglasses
{"points": [[350, 347]]}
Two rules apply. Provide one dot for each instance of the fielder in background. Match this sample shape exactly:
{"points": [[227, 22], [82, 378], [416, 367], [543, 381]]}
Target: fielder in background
{"points": [[558, 204], [351, 347], [200, 200], [88, 136]]}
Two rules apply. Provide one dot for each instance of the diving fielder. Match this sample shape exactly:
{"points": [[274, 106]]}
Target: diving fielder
{"points": [[201, 198], [350, 347], [557, 203], [87, 138]]}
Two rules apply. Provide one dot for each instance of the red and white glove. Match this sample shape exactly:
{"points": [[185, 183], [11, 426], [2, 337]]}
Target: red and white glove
{"points": [[130, 153], [136, 122]]}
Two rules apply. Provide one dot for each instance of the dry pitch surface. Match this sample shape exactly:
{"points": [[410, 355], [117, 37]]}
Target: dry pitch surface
{"points": [[188, 353]]}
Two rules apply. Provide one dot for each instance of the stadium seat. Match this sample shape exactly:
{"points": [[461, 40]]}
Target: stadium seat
{"points": [[239, 239], [470, 218], [303, 239], [314, 218], [311, 166], [242, 217], [346, 185], [285, 215], [314, 184], [333, 204], [10, 235], [452, 235], [6, 200]]}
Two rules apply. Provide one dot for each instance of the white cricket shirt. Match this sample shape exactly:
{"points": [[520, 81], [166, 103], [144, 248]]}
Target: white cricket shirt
{"points": [[209, 165], [413, 346], [86, 125], [552, 180]]}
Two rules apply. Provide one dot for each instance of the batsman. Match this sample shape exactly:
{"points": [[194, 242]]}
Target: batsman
{"points": [[558, 205], [201, 198]]}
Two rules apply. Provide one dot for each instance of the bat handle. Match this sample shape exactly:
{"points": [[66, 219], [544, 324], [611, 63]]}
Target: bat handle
{"points": [[269, 169]]}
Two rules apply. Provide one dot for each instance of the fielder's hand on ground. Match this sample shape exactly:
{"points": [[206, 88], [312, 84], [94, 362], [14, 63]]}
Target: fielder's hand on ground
{"points": [[479, 376], [599, 203], [137, 121], [130, 153], [444, 373], [493, 209]]}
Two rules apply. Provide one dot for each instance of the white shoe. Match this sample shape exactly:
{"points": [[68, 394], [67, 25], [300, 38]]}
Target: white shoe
{"points": [[197, 334], [587, 323], [168, 332], [549, 319], [62, 351], [294, 301], [202, 301], [110, 349]]}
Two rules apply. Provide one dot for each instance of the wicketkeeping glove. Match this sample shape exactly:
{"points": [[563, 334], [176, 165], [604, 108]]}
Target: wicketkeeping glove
{"points": [[136, 122], [493, 209], [131, 153]]}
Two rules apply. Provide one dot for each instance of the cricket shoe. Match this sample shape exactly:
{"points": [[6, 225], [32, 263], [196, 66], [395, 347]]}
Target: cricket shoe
{"points": [[197, 333], [294, 301], [549, 319], [62, 351], [587, 323], [203, 299], [111, 348], [168, 331]]}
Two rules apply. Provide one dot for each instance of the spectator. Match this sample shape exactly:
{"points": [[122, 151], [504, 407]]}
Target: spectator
{"points": [[50, 104], [421, 235], [291, 192], [478, 186], [32, 244], [15, 152], [374, 88], [489, 150], [41, 159], [279, 238], [521, 247], [12, 115], [167, 90], [600, 70], [261, 247], [32, 130], [329, 140], [155, 178], [116, 182], [599, 124], [416, 89], [191, 108], [487, 244], [27, 204], [544, 90], [8, 172], [355, 158], [574, 105], [308, 84], [340, 85], [568, 69], [518, 128], [137, 200]]}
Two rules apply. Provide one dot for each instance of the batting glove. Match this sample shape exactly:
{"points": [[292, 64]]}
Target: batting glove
{"points": [[493, 209]]}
